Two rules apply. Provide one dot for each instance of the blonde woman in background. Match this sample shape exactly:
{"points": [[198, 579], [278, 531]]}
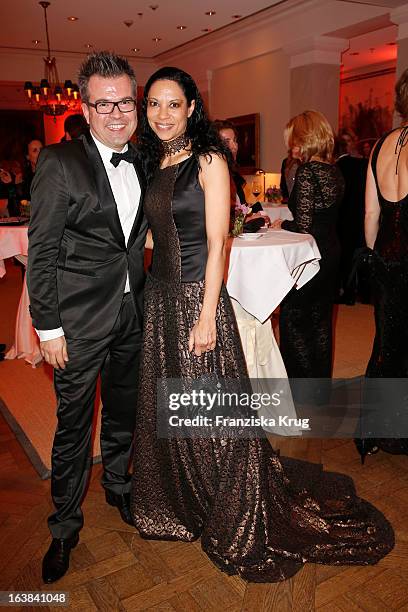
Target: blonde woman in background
{"points": [[306, 314]]}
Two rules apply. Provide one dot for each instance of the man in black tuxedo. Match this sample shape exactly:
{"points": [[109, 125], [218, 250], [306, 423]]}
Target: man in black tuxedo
{"points": [[85, 279], [350, 223]]}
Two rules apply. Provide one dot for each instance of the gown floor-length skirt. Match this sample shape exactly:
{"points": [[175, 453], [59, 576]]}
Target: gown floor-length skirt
{"points": [[257, 515]]}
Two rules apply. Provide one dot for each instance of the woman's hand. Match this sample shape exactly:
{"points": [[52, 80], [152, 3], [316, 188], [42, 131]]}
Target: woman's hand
{"points": [[277, 224], [203, 336], [5, 177], [260, 215]]}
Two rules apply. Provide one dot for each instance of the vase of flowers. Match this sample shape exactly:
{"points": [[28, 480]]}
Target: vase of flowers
{"points": [[241, 212], [273, 195]]}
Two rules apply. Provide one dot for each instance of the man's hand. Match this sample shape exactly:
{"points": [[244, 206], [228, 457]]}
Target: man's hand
{"points": [[55, 352]]}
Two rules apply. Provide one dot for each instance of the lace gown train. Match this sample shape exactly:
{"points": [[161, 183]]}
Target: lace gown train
{"points": [[257, 515]]}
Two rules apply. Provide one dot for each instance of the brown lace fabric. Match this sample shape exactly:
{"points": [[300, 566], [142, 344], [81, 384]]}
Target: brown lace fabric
{"points": [[257, 516]]}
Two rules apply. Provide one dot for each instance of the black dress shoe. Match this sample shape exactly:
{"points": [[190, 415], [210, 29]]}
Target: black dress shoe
{"points": [[56, 560], [122, 502]]}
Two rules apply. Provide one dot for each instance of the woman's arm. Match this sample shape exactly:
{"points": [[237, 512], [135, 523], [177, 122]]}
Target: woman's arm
{"points": [[304, 193], [372, 208], [215, 182], [149, 240]]}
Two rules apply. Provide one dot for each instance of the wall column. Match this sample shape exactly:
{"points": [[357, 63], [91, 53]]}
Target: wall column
{"points": [[315, 75]]}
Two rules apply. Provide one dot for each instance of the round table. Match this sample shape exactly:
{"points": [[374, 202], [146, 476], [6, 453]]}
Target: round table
{"points": [[261, 272], [14, 243], [279, 211]]}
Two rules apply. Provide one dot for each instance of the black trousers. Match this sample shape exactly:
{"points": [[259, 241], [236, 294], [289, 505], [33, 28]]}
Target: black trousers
{"points": [[116, 358]]}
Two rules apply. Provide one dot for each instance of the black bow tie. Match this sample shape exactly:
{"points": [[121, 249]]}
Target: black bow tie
{"points": [[128, 156]]}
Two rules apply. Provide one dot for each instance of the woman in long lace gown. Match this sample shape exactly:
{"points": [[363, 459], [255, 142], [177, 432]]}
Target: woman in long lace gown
{"points": [[256, 517], [305, 321], [386, 232]]}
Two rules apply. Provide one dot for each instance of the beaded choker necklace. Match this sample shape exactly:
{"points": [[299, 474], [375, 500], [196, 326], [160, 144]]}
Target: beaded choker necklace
{"points": [[171, 147]]}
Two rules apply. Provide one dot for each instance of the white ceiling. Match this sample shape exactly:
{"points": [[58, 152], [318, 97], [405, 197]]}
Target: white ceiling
{"points": [[101, 23], [385, 3]]}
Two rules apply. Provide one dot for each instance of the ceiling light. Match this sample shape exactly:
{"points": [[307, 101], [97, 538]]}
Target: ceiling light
{"points": [[210, 13], [181, 27], [135, 49], [72, 18], [156, 39], [36, 42], [236, 16], [51, 97], [206, 30], [88, 46], [355, 53], [391, 44]]}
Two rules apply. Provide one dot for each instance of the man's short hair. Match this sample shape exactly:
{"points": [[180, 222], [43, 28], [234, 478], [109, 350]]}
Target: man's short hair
{"points": [[107, 65], [75, 125]]}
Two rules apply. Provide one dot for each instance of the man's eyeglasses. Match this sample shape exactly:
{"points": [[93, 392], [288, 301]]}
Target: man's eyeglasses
{"points": [[105, 108]]}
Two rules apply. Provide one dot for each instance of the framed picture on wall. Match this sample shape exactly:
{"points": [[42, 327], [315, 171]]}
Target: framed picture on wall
{"points": [[247, 127]]}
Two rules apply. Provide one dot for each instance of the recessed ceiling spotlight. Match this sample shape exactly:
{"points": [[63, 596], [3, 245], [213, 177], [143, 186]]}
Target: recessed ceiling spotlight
{"points": [[355, 53], [236, 16], [72, 18], [206, 30], [181, 27], [36, 42], [153, 6], [140, 14], [88, 46], [391, 44], [210, 13], [135, 49], [128, 22], [156, 39]]}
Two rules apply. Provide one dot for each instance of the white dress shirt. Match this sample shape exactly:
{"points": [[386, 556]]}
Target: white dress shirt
{"points": [[126, 191]]}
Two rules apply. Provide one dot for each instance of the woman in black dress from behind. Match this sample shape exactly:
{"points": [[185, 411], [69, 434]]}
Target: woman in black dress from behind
{"points": [[386, 233], [305, 322]]}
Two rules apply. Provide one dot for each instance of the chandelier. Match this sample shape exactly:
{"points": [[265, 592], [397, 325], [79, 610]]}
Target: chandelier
{"points": [[50, 96]]}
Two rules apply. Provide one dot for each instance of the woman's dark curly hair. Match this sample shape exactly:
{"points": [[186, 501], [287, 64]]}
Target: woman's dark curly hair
{"points": [[200, 131]]}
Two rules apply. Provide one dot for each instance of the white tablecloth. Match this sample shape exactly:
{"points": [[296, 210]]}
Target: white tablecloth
{"points": [[14, 241], [277, 212], [261, 272]]}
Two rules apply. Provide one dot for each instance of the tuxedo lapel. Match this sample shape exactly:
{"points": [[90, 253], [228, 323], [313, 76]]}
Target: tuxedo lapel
{"points": [[139, 214], [103, 188]]}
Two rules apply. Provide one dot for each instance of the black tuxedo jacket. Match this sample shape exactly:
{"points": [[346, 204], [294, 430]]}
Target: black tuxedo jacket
{"points": [[77, 257]]}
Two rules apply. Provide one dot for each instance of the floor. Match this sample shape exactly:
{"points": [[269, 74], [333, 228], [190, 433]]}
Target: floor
{"points": [[114, 569]]}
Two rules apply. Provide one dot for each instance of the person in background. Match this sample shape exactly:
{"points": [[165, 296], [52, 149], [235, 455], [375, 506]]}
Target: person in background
{"points": [[74, 127], [33, 149], [11, 178], [288, 172], [228, 133], [350, 140], [350, 224], [305, 321], [386, 233]]}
